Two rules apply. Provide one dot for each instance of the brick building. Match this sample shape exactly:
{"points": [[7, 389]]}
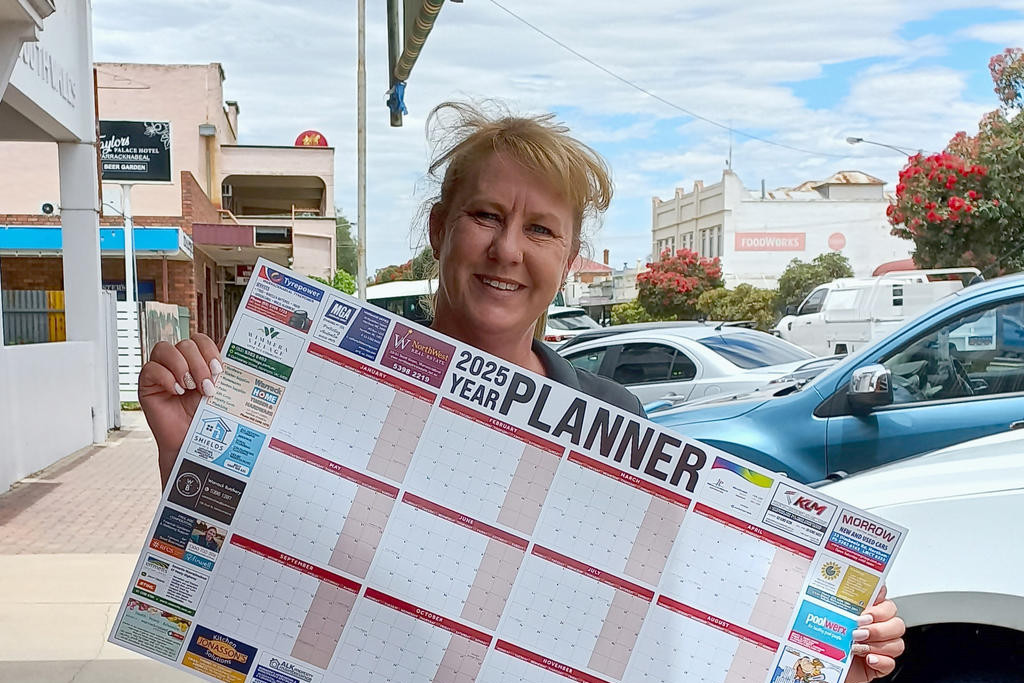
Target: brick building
{"points": [[250, 200], [177, 275]]}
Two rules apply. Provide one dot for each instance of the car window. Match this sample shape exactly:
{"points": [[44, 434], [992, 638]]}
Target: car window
{"points": [[644, 363], [683, 368], [976, 354], [843, 299], [588, 360], [748, 349], [574, 321], [812, 304]]}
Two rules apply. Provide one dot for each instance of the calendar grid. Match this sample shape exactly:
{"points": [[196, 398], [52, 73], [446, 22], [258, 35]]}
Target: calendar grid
{"points": [[310, 506], [728, 653], [760, 592], [275, 600]]}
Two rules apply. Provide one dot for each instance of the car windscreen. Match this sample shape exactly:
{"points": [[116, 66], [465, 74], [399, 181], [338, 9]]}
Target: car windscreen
{"points": [[572, 321], [748, 350]]}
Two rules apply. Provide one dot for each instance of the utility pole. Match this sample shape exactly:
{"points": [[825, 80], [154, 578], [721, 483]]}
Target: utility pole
{"points": [[361, 153]]}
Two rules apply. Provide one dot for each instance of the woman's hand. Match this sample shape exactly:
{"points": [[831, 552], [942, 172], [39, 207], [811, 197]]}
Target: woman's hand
{"points": [[878, 640], [171, 385]]}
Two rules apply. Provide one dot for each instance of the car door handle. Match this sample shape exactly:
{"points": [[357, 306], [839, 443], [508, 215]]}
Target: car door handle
{"points": [[1017, 425]]}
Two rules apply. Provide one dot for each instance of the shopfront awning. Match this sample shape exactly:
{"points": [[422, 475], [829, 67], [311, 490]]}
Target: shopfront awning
{"points": [[157, 242], [232, 244]]}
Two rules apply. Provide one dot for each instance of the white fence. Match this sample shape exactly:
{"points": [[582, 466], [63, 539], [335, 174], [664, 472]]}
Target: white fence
{"points": [[160, 322], [129, 352]]}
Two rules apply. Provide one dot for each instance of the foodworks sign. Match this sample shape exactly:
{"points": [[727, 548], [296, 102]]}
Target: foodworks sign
{"points": [[770, 241]]}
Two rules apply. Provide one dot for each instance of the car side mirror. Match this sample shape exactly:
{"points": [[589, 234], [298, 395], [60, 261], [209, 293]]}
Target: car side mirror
{"points": [[791, 309], [870, 387]]}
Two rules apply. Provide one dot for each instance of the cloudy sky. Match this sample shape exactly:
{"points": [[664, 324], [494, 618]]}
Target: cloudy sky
{"points": [[801, 74]]}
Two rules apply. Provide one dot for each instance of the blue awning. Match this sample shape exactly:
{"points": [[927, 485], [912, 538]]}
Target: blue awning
{"points": [[32, 241]]}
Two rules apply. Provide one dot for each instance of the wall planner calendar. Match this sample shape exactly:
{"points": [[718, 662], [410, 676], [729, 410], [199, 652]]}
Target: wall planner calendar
{"points": [[366, 500]]}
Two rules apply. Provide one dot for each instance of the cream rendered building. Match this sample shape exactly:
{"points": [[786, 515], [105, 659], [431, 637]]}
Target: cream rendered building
{"points": [[757, 233]]}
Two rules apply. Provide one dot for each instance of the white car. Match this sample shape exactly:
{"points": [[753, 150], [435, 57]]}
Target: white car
{"points": [[844, 315], [685, 361], [958, 578], [565, 322]]}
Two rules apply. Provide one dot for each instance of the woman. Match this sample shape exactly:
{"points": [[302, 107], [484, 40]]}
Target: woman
{"points": [[505, 228]]}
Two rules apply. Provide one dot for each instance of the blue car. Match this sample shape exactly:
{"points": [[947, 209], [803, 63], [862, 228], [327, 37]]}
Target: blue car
{"points": [[954, 373]]}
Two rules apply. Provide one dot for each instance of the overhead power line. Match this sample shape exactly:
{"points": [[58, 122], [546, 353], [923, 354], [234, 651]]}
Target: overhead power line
{"points": [[659, 98]]}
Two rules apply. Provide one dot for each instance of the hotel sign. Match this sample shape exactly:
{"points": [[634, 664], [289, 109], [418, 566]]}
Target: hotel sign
{"points": [[135, 151]]}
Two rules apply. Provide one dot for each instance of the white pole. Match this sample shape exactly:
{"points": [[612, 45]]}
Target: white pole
{"points": [[1, 314], [361, 153], [130, 290], [129, 246], [80, 235]]}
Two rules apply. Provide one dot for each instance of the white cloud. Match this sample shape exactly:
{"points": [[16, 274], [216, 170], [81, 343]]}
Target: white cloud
{"points": [[1007, 34]]}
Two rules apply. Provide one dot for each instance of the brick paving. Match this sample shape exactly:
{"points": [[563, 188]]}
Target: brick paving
{"points": [[99, 500]]}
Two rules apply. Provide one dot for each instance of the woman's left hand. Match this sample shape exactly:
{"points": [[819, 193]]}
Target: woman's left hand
{"points": [[878, 640]]}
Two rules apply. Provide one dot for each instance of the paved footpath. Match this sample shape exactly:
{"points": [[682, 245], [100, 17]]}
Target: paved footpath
{"points": [[69, 539]]}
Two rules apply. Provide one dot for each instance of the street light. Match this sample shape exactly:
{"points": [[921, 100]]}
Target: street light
{"points": [[901, 150]]}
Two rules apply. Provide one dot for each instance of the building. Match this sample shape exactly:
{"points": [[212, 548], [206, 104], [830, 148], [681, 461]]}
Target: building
{"points": [[757, 233], [55, 398], [196, 236], [596, 287]]}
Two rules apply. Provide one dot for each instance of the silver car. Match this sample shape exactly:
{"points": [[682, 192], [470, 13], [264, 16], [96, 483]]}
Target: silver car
{"points": [[565, 322], [685, 362]]}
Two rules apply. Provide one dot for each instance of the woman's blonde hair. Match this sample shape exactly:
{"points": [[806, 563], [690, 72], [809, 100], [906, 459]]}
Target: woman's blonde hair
{"points": [[463, 135]]}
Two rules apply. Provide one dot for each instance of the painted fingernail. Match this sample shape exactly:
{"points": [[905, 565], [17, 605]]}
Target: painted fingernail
{"points": [[190, 383], [860, 649], [208, 388], [178, 389], [865, 619], [873, 660], [860, 634], [215, 367]]}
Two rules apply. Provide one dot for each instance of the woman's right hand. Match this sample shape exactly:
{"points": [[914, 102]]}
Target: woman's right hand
{"points": [[171, 385]]}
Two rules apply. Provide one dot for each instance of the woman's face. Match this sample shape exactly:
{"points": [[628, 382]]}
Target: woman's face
{"points": [[504, 246]]}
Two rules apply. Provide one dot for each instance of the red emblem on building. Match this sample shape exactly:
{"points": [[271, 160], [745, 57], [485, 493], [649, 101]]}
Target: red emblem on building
{"points": [[311, 138]]}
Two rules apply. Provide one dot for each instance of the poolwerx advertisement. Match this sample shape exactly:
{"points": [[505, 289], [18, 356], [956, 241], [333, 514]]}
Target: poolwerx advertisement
{"points": [[823, 631]]}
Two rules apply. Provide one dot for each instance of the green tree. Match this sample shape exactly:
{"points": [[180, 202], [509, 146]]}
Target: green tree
{"points": [[965, 205], [345, 244], [670, 287], [423, 267], [420, 267], [341, 280], [800, 277], [631, 312], [743, 303]]}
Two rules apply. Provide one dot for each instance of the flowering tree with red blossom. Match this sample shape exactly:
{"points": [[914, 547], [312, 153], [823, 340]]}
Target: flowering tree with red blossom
{"points": [[671, 286], [392, 273], [965, 205]]}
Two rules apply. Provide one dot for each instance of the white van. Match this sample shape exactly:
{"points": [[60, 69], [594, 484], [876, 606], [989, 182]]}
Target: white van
{"points": [[843, 315]]}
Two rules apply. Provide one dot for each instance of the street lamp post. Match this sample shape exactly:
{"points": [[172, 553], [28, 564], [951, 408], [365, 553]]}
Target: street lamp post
{"points": [[855, 141], [361, 151]]}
